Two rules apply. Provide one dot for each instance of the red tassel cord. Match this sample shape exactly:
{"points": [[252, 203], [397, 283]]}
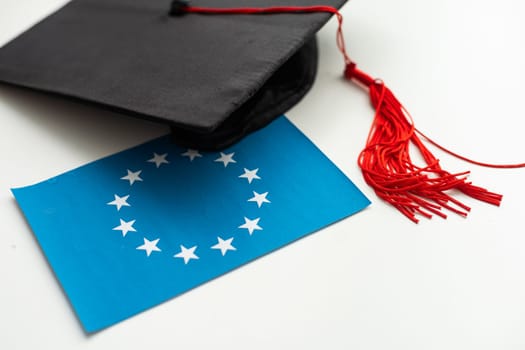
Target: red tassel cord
{"points": [[387, 166], [386, 162]]}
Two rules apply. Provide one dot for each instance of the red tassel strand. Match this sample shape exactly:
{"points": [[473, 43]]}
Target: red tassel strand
{"points": [[386, 163], [388, 168]]}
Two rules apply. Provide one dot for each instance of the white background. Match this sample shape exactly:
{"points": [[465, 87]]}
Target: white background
{"points": [[373, 281]]}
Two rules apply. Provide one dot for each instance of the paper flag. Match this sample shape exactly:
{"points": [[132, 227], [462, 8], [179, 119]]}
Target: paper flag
{"points": [[132, 230]]}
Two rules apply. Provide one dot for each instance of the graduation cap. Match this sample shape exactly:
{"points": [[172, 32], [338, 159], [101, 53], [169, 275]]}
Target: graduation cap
{"points": [[213, 79], [215, 71]]}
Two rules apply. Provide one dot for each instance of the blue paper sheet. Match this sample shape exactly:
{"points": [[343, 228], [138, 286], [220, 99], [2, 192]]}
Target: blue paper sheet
{"points": [[132, 230]]}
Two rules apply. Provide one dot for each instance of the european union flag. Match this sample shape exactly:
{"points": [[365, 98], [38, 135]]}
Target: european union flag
{"points": [[132, 230]]}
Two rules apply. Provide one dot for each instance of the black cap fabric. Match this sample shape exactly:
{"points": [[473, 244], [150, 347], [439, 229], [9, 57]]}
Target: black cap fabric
{"points": [[212, 78]]}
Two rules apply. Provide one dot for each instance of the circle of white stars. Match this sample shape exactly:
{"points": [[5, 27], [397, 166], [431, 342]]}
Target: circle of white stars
{"points": [[187, 254]]}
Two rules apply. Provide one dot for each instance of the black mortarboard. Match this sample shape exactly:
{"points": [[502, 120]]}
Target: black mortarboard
{"points": [[211, 78]]}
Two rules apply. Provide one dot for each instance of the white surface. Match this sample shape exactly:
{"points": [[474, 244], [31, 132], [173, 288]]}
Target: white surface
{"points": [[373, 281]]}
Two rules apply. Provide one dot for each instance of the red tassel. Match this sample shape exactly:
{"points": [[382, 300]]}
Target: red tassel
{"points": [[385, 161], [388, 168]]}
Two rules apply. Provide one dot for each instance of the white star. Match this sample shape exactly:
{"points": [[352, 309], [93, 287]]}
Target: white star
{"points": [[159, 159], [149, 246], [120, 202], [224, 245], [260, 198], [251, 225], [250, 175], [192, 154], [226, 159], [132, 177], [125, 227], [186, 254]]}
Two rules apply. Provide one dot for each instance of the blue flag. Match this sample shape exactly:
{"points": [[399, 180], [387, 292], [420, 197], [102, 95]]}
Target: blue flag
{"points": [[132, 230]]}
